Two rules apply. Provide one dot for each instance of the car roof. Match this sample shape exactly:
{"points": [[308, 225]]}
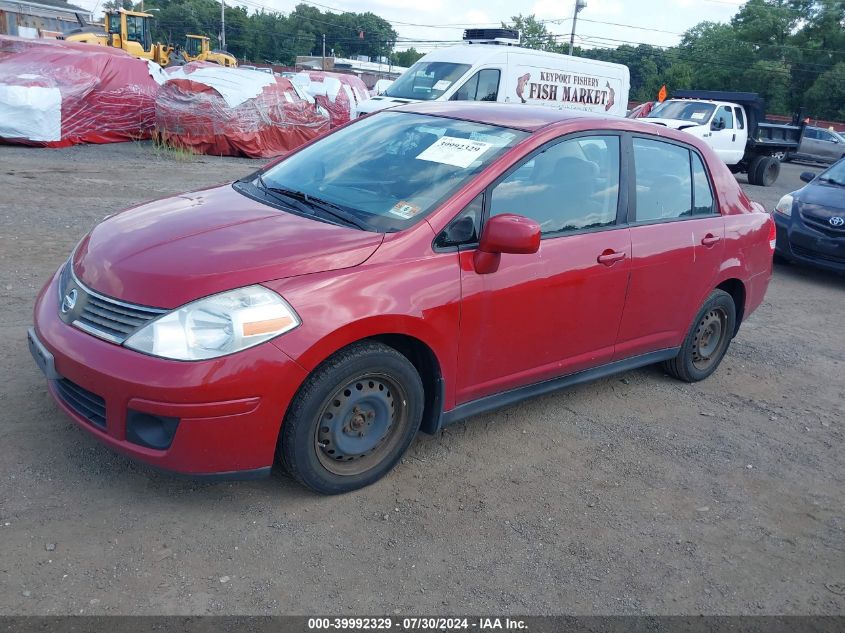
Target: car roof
{"points": [[514, 115], [531, 118]]}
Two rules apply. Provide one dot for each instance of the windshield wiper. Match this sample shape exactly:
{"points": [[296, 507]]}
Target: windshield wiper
{"points": [[314, 203], [832, 181], [282, 196]]}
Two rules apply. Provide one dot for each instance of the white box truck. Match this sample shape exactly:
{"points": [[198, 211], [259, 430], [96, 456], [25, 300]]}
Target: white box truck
{"points": [[490, 66]]}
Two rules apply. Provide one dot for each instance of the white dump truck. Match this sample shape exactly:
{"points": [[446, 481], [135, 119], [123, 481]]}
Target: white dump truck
{"points": [[734, 125]]}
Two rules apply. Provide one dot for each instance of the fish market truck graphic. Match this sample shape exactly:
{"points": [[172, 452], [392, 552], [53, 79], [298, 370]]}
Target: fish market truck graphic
{"points": [[490, 66], [570, 90]]}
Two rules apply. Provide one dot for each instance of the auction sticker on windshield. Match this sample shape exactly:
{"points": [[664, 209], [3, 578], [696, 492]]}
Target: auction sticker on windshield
{"points": [[405, 210], [450, 150]]}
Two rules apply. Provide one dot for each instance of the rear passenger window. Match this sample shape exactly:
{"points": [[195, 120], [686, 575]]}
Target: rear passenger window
{"points": [[482, 86], [740, 119], [664, 190], [703, 194], [570, 186]]}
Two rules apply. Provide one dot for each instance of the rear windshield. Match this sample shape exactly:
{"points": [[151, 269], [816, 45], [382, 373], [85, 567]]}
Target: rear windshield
{"points": [[426, 80], [391, 169]]}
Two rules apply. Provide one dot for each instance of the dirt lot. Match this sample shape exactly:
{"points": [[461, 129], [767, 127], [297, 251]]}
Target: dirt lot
{"points": [[635, 494]]}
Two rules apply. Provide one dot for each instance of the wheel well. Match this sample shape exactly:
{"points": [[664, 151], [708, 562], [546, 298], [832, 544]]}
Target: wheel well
{"points": [[426, 364], [736, 290]]}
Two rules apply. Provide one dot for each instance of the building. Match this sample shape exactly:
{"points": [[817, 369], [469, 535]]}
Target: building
{"points": [[369, 72], [45, 18]]}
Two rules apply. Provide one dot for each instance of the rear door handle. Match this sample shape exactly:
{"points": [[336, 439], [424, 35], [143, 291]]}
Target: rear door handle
{"points": [[610, 257], [710, 239]]}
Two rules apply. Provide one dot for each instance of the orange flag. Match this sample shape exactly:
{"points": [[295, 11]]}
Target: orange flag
{"points": [[661, 96]]}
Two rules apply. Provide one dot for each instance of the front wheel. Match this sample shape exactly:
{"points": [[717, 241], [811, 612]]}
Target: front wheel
{"points": [[352, 419], [707, 340]]}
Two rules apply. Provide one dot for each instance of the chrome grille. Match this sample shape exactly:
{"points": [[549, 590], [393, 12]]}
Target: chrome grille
{"points": [[99, 315], [822, 224]]}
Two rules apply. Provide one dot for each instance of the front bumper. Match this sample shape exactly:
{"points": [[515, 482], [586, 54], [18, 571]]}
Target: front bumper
{"points": [[227, 411], [799, 243]]}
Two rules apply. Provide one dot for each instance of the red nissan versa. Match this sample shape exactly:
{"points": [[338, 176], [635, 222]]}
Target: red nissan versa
{"points": [[411, 269]]}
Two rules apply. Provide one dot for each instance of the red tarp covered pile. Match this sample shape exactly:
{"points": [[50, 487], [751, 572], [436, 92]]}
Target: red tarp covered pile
{"points": [[211, 109], [55, 93], [337, 93]]}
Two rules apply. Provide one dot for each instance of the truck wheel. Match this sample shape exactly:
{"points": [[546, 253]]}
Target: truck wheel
{"points": [[768, 171], [352, 419], [752, 170], [707, 340]]}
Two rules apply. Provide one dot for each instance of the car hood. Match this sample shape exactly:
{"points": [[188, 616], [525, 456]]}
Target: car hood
{"points": [[820, 197], [172, 251], [675, 124]]}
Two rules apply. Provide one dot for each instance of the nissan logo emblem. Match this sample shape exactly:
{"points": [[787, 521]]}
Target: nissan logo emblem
{"points": [[69, 301], [836, 221]]}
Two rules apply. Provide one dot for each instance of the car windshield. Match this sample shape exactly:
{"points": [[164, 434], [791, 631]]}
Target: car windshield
{"points": [[693, 111], [387, 171], [835, 174], [426, 80]]}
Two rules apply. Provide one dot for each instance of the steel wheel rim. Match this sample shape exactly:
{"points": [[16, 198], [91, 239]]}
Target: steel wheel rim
{"points": [[360, 424], [710, 336]]}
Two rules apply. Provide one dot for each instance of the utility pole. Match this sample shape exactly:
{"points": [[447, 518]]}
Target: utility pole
{"points": [[223, 24], [579, 4], [324, 51]]}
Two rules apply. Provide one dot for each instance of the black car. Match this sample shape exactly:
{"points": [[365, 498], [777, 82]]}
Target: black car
{"points": [[811, 221]]}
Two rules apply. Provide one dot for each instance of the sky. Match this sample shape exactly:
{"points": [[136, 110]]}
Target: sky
{"points": [[428, 24]]}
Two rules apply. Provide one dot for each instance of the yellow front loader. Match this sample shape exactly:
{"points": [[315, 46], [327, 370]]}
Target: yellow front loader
{"points": [[198, 49], [129, 30]]}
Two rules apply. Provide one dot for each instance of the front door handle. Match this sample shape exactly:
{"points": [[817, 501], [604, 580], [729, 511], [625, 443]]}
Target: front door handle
{"points": [[610, 257], [710, 239]]}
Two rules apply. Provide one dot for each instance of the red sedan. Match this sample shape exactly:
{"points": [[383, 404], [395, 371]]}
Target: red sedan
{"points": [[411, 269]]}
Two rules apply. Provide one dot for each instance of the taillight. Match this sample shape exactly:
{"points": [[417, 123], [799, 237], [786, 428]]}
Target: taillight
{"points": [[773, 234]]}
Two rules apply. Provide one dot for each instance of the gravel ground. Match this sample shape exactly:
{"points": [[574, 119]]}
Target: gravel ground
{"points": [[634, 494]]}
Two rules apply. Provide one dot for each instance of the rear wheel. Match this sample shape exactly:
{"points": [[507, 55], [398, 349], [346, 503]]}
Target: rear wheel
{"points": [[752, 169], [707, 340], [767, 171], [352, 419]]}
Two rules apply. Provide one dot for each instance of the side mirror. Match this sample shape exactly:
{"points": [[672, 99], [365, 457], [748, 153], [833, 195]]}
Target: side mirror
{"points": [[718, 124], [506, 233], [807, 176]]}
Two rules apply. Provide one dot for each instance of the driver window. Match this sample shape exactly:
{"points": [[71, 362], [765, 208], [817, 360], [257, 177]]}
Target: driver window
{"points": [[570, 186], [134, 29], [482, 86], [725, 114], [114, 23]]}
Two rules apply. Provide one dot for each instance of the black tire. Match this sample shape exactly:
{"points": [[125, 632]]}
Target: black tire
{"points": [[768, 171], [699, 356], [752, 170], [352, 419]]}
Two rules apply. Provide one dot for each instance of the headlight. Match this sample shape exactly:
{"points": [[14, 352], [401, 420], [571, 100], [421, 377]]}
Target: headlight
{"points": [[217, 325], [784, 207]]}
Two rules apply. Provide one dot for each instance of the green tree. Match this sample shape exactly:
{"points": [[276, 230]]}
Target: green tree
{"points": [[826, 97], [406, 58], [533, 33]]}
